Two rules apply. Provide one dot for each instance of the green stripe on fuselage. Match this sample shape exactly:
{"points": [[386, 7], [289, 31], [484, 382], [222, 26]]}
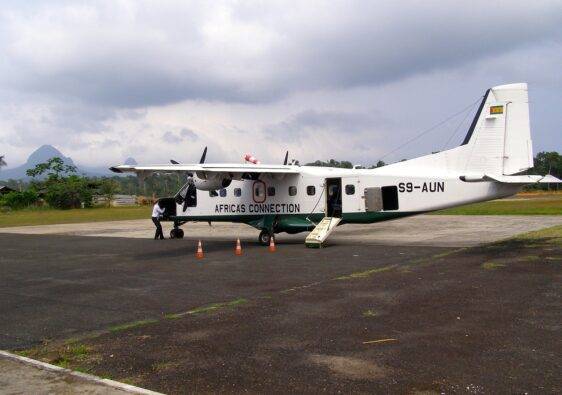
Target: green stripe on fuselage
{"points": [[295, 223]]}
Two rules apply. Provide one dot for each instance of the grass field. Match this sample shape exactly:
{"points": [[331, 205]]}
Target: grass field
{"points": [[50, 216], [524, 204]]}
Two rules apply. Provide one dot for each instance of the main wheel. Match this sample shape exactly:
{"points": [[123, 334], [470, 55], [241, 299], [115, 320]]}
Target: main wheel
{"points": [[264, 238], [176, 233]]}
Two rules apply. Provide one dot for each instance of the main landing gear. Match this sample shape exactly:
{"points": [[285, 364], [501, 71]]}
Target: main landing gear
{"points": [[176, 233], [264, 237]]}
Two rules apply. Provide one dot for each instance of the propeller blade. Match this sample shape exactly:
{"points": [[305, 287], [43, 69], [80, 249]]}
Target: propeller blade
{"points": [[286, 158], [175, 162], [202, 160]]}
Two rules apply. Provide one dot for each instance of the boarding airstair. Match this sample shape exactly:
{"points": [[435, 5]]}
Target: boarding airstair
{"points": [[321, 232]]}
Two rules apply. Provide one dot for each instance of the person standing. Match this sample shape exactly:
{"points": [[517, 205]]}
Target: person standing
{"points": [[157, 213]]}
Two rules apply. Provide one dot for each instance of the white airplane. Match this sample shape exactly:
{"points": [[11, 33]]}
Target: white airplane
{"points": [[291, 198]]}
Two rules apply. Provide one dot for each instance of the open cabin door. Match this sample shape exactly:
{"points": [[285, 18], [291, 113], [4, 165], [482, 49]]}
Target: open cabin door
{"points": [[333, 197], [343, 195], [352, 195]]}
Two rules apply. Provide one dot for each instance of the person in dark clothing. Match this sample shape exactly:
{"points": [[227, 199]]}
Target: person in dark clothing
{"points": [[157, 213]]}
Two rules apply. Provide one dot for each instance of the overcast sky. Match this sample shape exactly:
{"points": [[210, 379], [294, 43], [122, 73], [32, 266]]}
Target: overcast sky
{"points": [[105, 80]]}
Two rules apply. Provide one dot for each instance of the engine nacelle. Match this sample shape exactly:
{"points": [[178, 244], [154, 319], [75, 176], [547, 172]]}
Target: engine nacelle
{"points": [[211, 184]]}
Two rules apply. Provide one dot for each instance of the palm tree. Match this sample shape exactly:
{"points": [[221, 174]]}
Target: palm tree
{"points": [[2, 161]]}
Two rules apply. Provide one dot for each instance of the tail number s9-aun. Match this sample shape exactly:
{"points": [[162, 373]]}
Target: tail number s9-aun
{"points": [[432, 186]]}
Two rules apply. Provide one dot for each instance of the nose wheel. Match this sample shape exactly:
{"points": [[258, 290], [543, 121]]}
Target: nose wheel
{"points": [[264, 237]]}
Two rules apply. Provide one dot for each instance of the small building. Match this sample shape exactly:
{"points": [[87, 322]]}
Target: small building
{"points": [[118, 200], [4, 190]]}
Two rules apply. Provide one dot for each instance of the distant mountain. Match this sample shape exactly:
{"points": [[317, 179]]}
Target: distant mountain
{"points": [[131, 162], [46, 152], [43, 154]]}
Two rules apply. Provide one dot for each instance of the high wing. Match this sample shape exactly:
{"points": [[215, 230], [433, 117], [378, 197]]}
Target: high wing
{"points": [[235, 169]]}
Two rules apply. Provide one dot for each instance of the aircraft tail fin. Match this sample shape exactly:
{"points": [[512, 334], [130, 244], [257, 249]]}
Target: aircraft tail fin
{"points": [[499, 138]]}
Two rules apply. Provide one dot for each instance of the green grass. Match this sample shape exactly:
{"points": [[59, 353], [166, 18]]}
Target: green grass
{"points": [[552, 235], [207, 309], [164, 366], [366, 273], [530, 258], [492, 265], [551, 205], [62, 362], [130, 325], [369, 313], [46, 216], [79, 350], [72, 354]]}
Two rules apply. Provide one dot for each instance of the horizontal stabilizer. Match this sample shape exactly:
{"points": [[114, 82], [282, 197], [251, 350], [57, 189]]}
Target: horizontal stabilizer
{"points": [[550, 179], [521, 179]]}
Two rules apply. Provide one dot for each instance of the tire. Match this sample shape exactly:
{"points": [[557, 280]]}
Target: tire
{"points": [[179, 233], [264, 238], [173, 234]]}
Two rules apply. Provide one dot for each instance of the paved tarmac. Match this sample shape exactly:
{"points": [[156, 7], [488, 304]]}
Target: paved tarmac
{"points": [[430, 230], [57, 284], [60, 286]]}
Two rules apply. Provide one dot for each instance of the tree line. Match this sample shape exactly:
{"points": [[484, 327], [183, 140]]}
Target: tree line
{"points": [[60, 186]]}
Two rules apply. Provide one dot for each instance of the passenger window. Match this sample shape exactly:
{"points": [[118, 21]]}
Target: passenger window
{"points": [[270, 191], [213, 194], [222, 192], [292, 191], [259, 191], [310, 190], [350, 189], [237, 192]]}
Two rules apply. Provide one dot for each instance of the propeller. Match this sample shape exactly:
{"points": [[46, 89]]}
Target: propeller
{"points": [[190, 182], [286, 158], [202, 160]]}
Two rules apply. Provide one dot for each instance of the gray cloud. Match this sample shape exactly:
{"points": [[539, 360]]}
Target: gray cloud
{"points": [[181, 136], [336, 123], [105, 78], [134, 54]]}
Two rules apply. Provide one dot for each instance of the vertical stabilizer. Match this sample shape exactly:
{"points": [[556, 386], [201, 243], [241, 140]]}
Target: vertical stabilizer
{"points": [[499, 139]]}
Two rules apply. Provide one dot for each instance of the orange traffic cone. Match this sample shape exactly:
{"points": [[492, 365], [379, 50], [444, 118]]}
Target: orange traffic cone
{"points": [[272, 247], [238, 250], [199, 253]]}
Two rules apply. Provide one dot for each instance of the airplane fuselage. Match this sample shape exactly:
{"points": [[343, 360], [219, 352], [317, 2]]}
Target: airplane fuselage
{"points": [[296, 202]]}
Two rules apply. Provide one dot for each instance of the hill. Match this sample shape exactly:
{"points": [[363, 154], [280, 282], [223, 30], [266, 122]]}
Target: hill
{"points": [[46, 152]]}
